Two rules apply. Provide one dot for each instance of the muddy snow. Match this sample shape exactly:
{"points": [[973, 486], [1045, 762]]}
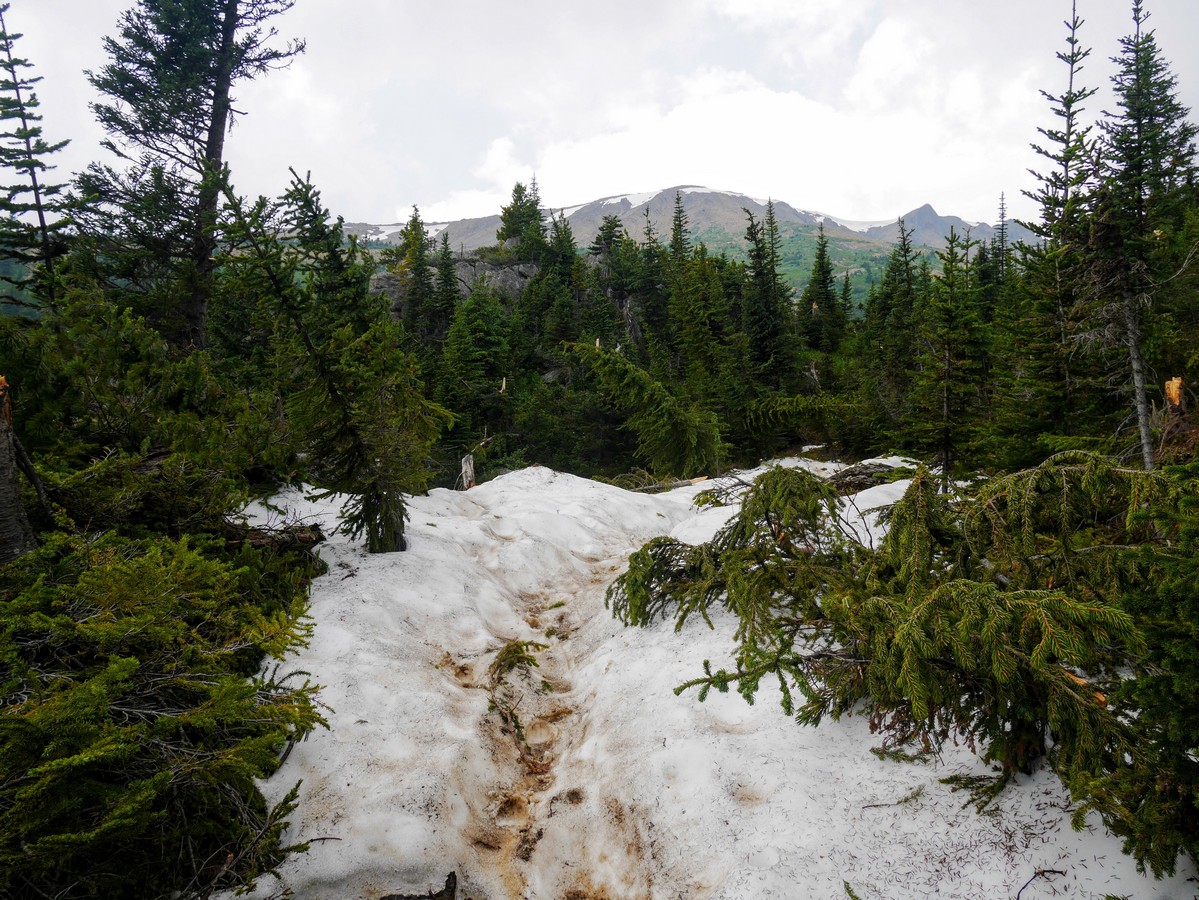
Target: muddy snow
{"points": [[584, 776]]}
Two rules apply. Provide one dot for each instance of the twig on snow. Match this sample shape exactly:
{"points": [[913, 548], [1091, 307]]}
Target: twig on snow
{"points": [[1040, 873]]}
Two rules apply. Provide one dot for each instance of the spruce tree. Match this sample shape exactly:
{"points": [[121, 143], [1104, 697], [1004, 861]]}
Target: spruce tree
{"points": [[447, 291], [31, 211], [611, 314], [1046, 618], [680, 235], [564, 275], [652, 292], [699, 314], [766, 303], [675, 437], [1048, 394], [350, 391], [521, 224], [1148, 184], [947, 393], [888, 330], [474, 365], [821, 315], [992, 265], [167, 108], [140, 717], [410, 260]]}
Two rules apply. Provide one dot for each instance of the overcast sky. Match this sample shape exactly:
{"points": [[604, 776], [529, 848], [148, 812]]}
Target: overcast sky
{"points": [[863, 109]]}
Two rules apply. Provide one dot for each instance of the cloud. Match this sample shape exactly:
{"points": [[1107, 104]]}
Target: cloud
{"points": [[886, 66], [863, 107], [728, 130], [499, 170], [814, 40]]}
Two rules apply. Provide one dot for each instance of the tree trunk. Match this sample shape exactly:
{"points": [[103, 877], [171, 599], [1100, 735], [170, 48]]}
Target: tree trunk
{"points": [[1140, 395], [204, 243], [26, 134], [16, 537]]}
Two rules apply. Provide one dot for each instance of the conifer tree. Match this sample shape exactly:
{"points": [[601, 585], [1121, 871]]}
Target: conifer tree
{"points": [[475, 361], [992, 265], [411, 264], [1148, 183], [1047, 393], [766, 303], [1048, 617], [351, 391], [607, 238], [674, 437], [564, 274], [139, 717], [888, 329], [822, 318], [698, 310], [919, 630], [680, 235], [447, 291], [1061, 191], [31, 221], [948, 383], [167, 107], [652, 292], [617, 260], [846, 297], [521, 222]]}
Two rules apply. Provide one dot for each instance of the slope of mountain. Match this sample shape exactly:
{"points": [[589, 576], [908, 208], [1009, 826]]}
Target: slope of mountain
{"points": [[930, 228]]}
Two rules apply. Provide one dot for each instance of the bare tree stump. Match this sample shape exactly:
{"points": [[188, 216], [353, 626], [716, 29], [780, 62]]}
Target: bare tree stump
{"points": [[1176, 404]]}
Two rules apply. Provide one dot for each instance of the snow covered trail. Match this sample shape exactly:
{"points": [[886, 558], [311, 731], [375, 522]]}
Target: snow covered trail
{"points": [[586, 777]]}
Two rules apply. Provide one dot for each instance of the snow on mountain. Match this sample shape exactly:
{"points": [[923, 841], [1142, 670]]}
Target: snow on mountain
{"points": [[709, 210], [619, 789], [623, 199], [860, 227], [696, 189]]}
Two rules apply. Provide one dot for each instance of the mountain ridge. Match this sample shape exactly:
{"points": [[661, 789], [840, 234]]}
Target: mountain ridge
{"points": [[712, 211]]}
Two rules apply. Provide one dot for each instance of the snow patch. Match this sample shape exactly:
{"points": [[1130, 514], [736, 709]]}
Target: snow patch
{"points": [[859, 226], [633, 199]]}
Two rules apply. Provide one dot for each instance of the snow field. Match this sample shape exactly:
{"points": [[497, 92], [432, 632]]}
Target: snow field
{"points": [[613, 787]]}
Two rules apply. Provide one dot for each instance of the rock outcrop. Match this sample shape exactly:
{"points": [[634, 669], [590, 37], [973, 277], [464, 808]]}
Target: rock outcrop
{"points": [[507, 279]]}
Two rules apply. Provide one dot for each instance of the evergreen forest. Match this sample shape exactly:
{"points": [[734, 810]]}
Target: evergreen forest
{"points": [[171, 350]]}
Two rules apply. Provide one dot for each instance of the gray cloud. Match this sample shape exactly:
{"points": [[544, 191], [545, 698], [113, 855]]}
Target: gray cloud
{"points": [[861, 108]]}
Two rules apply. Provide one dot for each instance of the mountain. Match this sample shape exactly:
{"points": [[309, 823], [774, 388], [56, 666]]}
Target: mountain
{"points": [[930, 228], [718, 220], [716, 217]]}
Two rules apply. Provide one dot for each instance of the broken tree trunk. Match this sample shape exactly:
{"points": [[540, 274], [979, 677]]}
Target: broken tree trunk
{"points": [[16, 537], [449, 892], [670, 485], [1175, 401]]}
